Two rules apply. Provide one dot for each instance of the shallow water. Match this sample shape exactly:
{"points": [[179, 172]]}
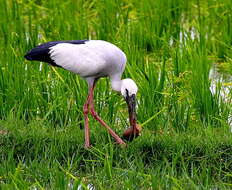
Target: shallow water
{"points": [[221, 84]]}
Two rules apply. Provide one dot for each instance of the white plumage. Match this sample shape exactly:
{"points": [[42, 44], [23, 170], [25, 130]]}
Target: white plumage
{"points": [[94, 58]]}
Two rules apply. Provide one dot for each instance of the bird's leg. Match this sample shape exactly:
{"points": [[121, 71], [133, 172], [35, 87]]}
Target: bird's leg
{"points": [[86, 111], [95, 115], [113, 134]]}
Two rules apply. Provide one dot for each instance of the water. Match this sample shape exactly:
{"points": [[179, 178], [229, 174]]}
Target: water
{"points": [[221, 85]]}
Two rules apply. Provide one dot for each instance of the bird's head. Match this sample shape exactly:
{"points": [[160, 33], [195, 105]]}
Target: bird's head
{"points": [[129, 90]]}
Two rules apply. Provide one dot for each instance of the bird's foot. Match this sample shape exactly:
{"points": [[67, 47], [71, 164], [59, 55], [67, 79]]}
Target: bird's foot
{"points": [[120, 142], [123, 145], [88, 146]]}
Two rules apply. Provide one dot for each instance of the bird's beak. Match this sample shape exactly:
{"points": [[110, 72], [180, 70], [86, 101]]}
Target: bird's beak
{"points": [[131, 103], [134, 130]]}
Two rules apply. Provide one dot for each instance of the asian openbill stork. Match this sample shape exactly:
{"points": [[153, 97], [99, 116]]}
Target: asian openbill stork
{"points": [[92, 59]]}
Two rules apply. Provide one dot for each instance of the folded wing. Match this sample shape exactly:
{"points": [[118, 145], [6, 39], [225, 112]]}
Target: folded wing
{"points": [[41, 52]]}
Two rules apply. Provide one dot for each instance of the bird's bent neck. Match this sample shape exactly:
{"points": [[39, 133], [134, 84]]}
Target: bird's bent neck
{"points": [[116, 84]]}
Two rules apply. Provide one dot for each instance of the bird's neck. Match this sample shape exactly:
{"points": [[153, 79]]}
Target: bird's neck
{"points": [[116, 83]]}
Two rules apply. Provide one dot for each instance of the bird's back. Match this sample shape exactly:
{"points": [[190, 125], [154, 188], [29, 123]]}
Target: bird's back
{"points": [[84, 57]]}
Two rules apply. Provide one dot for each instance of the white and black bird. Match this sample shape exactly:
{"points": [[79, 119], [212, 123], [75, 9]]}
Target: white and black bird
{"points": [[92, 59]]}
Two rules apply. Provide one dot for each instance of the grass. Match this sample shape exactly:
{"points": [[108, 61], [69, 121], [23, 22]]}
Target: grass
{"points": [[199, 158], [170, 46]]}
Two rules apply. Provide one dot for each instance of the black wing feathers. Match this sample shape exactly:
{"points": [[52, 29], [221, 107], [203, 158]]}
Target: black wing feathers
{"points": [[41, 52]]}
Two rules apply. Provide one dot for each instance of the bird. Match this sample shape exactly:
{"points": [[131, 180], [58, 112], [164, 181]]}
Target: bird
{"points": [[92, 60]]}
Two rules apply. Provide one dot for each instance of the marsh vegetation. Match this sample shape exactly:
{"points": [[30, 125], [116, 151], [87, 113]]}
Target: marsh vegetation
{"points": [[171, 47]]}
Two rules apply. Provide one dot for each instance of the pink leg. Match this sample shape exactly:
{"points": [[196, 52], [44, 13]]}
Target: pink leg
{"points": [[95, 115], [86, 111]]}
